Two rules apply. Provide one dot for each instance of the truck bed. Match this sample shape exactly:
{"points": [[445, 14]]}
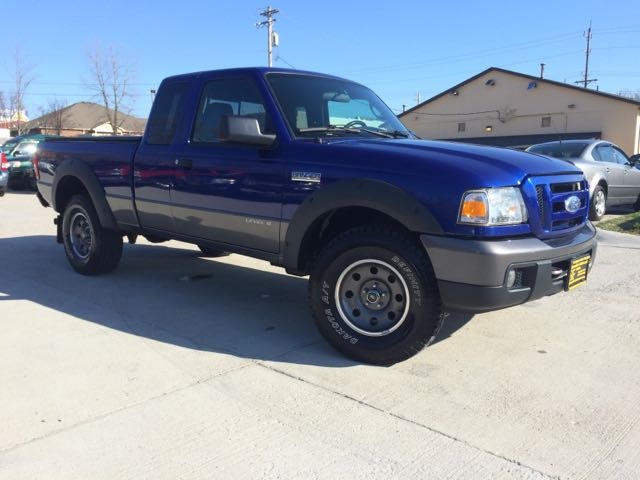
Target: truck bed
{"points": [[109, 158]]}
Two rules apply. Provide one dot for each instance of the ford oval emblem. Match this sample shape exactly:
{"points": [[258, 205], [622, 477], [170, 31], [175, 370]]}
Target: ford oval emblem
{"points": [[572, 204]]}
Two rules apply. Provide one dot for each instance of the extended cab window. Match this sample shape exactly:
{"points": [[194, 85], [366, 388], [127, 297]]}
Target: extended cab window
{"points": [[164, 116], [224, 98]]}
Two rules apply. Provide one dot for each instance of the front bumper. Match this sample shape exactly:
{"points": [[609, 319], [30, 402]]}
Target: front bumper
{"points": [[472, 274]]}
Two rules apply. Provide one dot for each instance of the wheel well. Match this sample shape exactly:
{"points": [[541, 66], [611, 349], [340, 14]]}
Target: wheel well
{"points": [[67, 188], [603, 184], [333, 223]]}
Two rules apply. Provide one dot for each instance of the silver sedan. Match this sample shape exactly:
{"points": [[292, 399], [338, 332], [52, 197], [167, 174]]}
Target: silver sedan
{"points": [[614, 178]]}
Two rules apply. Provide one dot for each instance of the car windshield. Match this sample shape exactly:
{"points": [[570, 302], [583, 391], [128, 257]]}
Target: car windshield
{"points": [[315, 105], [559, 150]]}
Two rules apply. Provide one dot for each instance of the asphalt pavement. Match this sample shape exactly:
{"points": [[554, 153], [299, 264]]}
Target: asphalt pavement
{"points": [[176, 366]]}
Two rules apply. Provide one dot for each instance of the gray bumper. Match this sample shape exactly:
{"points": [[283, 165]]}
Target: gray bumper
{"points": [[472, 273]]}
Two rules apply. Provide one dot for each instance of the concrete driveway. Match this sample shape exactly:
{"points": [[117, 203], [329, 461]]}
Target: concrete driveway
{"points": [[175, 366]]}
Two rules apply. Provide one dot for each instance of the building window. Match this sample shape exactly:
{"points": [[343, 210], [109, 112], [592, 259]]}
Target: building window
{"points": [[462, 127], [546, 122]]}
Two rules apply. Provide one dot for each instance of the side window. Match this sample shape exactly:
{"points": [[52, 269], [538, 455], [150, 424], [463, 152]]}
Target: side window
{"points": [[620, 157], [165, 113], [228, 97], [605, 152]]}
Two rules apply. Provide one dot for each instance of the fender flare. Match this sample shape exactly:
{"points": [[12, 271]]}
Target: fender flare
{"points": [[82, 172], [373, 194]]}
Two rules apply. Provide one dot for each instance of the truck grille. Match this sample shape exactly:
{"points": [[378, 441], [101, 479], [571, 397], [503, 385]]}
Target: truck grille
{"points": [[550, 195]]}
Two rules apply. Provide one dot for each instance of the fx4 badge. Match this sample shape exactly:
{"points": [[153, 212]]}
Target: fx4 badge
{"points": [[308, 177]]}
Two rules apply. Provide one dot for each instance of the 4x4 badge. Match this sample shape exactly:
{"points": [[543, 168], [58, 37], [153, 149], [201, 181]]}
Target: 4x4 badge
{"points": [[309, 177]]}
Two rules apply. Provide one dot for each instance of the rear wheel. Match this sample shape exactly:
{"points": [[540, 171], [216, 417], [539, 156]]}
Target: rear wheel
{"points": [[374, 296], [598, 204], [90, 249]]}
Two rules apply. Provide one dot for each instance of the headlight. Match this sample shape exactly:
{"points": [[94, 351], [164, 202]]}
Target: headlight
{"points": [[493, 206]]}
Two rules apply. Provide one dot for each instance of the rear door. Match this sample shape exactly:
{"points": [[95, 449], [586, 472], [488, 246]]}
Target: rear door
{"points": [[614, 172], [631, 177], [155, 161], [229, 193]]}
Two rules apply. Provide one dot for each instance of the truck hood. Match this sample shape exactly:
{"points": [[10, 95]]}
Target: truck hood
{"points": [[480, 165]]}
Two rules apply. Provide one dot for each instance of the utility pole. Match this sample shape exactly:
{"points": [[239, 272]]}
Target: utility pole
{"points": [[272, 37], [586, 80]]}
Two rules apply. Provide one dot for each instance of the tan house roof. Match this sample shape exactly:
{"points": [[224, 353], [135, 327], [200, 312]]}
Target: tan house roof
{"points": [[86, 117]]}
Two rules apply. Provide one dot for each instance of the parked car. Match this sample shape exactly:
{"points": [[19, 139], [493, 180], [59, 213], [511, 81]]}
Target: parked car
{"points": [[4, 173], [21, 175], [612, 178]]}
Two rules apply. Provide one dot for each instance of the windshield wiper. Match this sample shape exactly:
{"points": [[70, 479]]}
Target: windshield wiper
{"points": [[335, 128], [328, 128], [387, 133]]}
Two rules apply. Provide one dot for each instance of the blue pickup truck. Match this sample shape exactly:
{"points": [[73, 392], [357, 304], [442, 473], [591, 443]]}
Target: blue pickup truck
{"points": [[315, 174]]}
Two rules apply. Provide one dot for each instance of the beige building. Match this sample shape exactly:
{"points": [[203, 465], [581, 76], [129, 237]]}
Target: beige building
{"points": [[505, 108]]}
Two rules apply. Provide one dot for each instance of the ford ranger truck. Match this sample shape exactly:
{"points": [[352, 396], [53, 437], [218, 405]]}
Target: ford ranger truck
{"points": [[315, 174]]}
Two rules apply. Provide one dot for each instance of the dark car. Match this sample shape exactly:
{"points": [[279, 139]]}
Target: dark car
{"points": [[612, 178], [21, 175]]}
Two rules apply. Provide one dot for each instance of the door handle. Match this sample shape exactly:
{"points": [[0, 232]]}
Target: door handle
{"points": [[185, 163]]}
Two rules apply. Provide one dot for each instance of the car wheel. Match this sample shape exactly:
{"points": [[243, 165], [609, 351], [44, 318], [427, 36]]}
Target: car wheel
{"points": [[374, 296], [90, 249], [598, 204], [212, 252], [636, 206]]}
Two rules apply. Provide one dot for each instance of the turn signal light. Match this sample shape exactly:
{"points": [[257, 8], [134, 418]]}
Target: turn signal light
{"points": [[4, 165]]}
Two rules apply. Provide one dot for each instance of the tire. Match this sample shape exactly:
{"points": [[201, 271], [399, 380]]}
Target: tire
{"points": [[636, 206], [212, 252], [374, 296], [90, 249], [598, 207]]}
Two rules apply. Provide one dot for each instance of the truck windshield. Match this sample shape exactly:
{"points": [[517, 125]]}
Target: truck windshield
{"points": [[316, 105]]}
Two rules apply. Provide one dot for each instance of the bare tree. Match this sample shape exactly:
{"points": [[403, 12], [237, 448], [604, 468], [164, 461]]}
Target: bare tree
{"points": [[112, 76], [54, 115], [3, 106], [23, 76]]}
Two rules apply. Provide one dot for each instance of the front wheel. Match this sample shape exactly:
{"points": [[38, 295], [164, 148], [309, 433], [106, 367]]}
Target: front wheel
{"points": [[598, 204], [374, 296], [90, 249]]}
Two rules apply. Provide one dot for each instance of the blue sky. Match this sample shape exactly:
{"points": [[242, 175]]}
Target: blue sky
{"points": [[400, 49]]}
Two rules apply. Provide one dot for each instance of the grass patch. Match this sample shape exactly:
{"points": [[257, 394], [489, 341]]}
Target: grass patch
{"points": [[625, 224]]}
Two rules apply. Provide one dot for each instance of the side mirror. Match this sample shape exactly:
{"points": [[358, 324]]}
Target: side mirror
{"points": [[245, 130], [634, 159], [16, 152]]}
